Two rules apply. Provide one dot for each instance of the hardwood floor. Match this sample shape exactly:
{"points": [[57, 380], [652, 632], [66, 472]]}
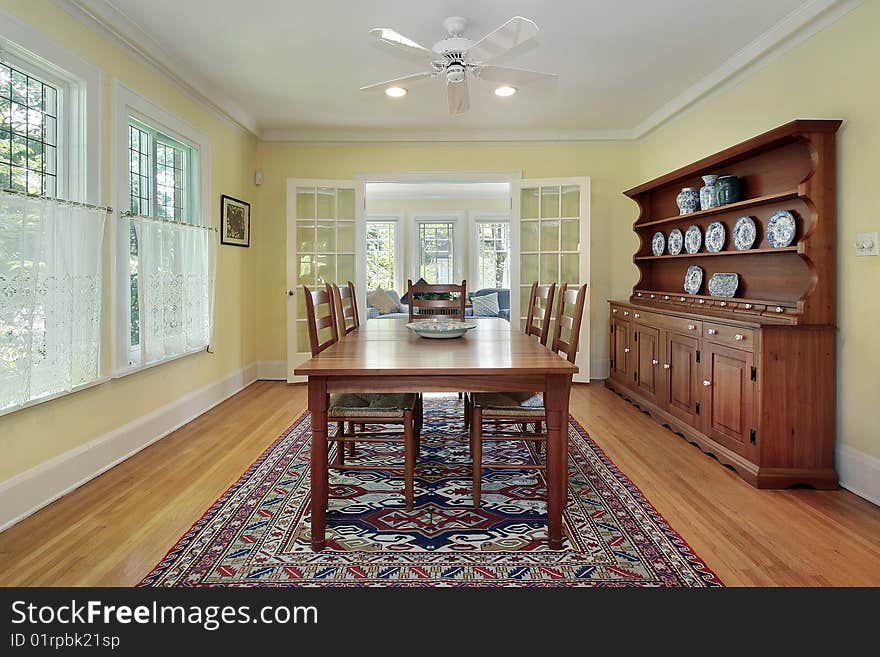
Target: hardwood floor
{"points": [[113, 530]]}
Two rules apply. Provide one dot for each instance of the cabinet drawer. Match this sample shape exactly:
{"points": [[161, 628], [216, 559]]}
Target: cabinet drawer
{"points": [[680, 325], [731, 336]]}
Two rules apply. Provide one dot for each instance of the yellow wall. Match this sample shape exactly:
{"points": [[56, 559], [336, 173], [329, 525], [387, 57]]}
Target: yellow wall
{"points": [[610, 165], [33, 435], [831, 75], [409, 208]]}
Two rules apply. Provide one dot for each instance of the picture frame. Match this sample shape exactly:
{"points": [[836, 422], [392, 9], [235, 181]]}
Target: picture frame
{"points": [[235, 221]]}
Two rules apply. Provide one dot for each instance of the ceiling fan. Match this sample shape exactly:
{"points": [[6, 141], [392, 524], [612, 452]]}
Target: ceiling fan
{"points": [[456, 55]]}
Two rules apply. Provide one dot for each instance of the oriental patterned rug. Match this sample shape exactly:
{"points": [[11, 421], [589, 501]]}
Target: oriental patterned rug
{"points": [[257, 533]]}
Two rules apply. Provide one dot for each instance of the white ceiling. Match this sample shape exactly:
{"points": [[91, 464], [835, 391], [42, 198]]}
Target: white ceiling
{"points": [[291, 70]]}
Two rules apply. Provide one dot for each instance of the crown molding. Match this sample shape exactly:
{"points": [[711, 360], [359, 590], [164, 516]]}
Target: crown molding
{"points": [[476, 135], [105, 18], [794, 29], [791, 31]]}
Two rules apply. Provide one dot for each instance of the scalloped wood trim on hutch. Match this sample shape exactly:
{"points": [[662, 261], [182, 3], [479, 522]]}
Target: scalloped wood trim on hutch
{"points": [[749, 379]]}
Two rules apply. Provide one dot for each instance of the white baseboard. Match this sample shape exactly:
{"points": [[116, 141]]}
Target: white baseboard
{"points": [[859, 473], [33, 489], [272, 370], [600, 368]]}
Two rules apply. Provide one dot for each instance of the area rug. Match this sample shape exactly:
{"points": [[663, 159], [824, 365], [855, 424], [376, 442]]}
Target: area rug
{"points": [[257, 533]]}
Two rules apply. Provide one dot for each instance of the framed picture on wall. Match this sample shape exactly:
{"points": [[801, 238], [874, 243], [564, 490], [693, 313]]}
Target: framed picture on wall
{"points": [[235, 221]]}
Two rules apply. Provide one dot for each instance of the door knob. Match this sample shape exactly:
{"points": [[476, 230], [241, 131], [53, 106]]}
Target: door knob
{"points": [[290, 293], [654, 361], [707, 383], [626, 350], [665, 366]]}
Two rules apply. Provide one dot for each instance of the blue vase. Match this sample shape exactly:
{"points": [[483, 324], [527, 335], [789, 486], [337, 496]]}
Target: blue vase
{"points": [[728, 190], [708, 194], [688, 200]]}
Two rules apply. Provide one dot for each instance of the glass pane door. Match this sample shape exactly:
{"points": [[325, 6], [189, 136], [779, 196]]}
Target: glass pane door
{"points": [[322, 249]]}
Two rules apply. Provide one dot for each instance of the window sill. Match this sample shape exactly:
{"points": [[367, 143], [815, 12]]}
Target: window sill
{"points": [[125, 371], [57, 395]]}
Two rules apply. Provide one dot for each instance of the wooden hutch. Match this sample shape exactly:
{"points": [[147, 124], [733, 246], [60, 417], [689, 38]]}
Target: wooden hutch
{"points": [[750, 379]]}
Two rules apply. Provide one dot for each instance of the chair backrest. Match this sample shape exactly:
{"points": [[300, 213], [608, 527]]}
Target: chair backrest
{"points": [[448, 308], [320, 319], [569, 316], [540, 308], [346, 312]]}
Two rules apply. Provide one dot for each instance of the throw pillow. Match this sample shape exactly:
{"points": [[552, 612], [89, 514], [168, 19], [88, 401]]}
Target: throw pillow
{"points": [[381, 300], [486, 305], [405, 297]]}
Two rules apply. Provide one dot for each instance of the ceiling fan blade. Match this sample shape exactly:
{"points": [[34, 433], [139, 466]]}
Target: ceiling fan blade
{"points": [[514, 32], [514, 76], [392, 38], [397, 81], [459, 100]]}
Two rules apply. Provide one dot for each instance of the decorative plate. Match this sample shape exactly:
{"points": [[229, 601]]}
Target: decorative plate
{"points": [[676, 239], [715, 237], [781, 229], [744, 233], [693, 239], [658, 243], [440, 328], [693, 279], [723, 284]]}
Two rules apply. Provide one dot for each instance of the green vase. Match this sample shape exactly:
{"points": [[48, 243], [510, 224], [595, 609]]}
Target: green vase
{"points": [[728, 189]]}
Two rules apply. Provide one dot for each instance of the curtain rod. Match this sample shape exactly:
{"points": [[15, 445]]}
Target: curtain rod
{"points": [[105, 208], [128, 214]]}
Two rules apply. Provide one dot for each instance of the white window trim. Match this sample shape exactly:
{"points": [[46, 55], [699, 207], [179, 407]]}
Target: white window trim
{"points": [[126, 103], [80, 170], [454, 216], [399, 244], [484, 217]]}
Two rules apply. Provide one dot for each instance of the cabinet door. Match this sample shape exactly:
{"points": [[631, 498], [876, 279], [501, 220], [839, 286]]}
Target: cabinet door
{"points": [[620, 350], [729, 399], [646, 342], [682, 377]]}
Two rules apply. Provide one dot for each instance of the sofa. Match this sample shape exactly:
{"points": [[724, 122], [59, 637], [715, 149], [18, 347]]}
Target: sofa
{"points": [[503, 305]]}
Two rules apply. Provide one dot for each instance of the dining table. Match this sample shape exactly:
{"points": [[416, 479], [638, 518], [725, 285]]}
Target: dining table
{"points": [[383, 355]]}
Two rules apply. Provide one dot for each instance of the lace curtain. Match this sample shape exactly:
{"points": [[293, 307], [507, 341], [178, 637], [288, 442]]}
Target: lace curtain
{"points": [[175, 287], [50, 297]]}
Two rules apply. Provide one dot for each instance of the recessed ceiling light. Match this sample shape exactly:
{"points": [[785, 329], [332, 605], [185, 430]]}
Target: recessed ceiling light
{"points": [[505, 91], [395, 92]]}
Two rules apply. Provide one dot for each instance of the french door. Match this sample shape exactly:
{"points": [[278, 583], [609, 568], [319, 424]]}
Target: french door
{"points": [[325, 237], [553, 241]]}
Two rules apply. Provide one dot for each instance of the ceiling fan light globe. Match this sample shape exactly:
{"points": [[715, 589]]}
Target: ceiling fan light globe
{"points": [[395, 92], [505, 90]]}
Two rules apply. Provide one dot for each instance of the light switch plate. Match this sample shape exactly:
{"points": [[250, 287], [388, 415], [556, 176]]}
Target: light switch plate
{"points": [[866, 244]]}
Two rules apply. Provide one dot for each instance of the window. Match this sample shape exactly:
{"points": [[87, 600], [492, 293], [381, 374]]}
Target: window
{"points": [[492, 252], [436, 249], [28, 132], [163, 306], [384, 255]]}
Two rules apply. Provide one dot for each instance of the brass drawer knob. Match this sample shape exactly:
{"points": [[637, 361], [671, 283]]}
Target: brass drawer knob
{"points": [[739, 337]]}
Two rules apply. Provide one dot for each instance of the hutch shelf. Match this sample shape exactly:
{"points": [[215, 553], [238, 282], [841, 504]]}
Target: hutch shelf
{"points": [[749, 379]]}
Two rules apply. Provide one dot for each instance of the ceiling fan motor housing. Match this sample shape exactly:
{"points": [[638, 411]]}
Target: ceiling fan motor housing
{"points": [[455, 71]]}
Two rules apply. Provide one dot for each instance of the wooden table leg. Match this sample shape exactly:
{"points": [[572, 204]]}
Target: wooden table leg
{"points": [[556, 392], [319, 465]]}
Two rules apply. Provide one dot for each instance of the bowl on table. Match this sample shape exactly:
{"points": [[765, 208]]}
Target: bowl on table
{"points": [[440, 328]]}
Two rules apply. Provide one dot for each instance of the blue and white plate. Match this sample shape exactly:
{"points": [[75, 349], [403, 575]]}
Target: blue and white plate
{"points": [[658, 243], [440, 328], [744, 233], [693, 239], [675, 242], [723, 284], [693, 279], [781, 229], [715, 237]]}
